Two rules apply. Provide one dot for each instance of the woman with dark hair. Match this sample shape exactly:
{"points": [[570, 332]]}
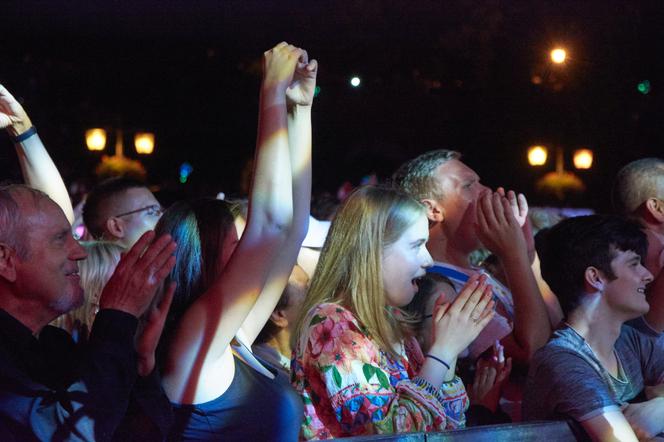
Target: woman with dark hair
{"points": [[227, 289]]}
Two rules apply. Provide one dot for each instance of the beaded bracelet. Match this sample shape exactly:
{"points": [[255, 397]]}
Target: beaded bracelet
{"points": [[435, 358], [25, 135]]}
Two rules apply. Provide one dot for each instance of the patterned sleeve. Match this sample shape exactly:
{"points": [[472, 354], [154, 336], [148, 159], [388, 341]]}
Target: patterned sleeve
{"points": [[355, 390]]}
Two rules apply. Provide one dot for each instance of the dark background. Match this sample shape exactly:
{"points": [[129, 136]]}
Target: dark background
{"points": [[435, 74]]}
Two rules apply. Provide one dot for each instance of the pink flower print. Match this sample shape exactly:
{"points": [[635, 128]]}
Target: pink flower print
{"points": [[324, 336]]}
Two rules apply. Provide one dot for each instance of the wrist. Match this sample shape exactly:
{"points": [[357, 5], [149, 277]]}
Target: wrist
{"points": [[442, 352], [21, 130]]}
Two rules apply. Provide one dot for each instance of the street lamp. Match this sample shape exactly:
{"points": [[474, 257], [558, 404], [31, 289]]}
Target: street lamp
{"points": [[583, 159], [95, 139], [558, 55], [537, 155], [560, 181]]}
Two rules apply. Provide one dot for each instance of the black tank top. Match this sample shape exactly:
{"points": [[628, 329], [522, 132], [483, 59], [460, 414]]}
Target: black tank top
{"points": [[254, 408]]}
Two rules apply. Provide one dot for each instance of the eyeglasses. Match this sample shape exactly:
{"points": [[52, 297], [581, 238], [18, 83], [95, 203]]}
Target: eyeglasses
{"points": [[152, 210]]}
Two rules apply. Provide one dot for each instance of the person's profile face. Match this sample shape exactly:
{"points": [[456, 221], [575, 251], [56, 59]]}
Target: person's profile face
{"points": [[404, 262], [49, 274], [627, 292]]}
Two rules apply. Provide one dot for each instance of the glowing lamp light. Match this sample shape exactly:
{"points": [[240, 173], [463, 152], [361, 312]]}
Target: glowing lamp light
{"points": [[355, 81], [537, 155], [583, 159], [95, 139], [558, 55], [144, 142]]}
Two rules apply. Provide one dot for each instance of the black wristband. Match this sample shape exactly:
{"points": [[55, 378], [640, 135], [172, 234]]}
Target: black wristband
{"points": [[437, 359], [25, 135]]}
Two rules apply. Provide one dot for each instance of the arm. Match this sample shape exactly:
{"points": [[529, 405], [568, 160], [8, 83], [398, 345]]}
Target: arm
{"points": [[368, 395], [198, 352], [300, 97], [609, 427], [37, 167], [500, 232]]}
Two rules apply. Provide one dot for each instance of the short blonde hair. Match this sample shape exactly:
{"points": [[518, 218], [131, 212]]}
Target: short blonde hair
{"points": [[349, 271], [636, 182]]}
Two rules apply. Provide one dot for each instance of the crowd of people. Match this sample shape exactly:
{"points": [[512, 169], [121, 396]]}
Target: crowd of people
{"points": [[251, 320]]}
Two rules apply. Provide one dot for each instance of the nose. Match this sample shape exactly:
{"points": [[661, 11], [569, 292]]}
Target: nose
{"points": [[76, 251], [427, 260], [647, 277]]}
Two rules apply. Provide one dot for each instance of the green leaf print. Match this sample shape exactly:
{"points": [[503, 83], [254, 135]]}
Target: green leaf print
{"points": [[368, 370], [327, 368], [316, 320], [336, 376], [384, 382]]}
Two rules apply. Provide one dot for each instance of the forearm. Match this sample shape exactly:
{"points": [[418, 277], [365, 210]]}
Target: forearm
{"points": [[271, 202], [531, 321], [39, 171], [299, 140]]}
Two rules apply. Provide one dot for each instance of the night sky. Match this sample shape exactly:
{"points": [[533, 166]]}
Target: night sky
{"points": [[435, 74]]}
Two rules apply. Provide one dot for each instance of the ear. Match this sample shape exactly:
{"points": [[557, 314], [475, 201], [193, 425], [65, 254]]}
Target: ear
{"points": [[435, 212], [279, 319], [7, 262], [593, 280], [116, 227], [655, 207]]}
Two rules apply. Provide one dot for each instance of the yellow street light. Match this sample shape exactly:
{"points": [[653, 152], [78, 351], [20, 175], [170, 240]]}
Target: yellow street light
{"points": [[95, 139], [537, 155], [558, 55], [583, 159], [144, 142]]}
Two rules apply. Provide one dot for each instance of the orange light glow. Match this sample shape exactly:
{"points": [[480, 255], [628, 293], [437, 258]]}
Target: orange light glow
{"points": [[537, 155], [95, 139], [583, 159]]}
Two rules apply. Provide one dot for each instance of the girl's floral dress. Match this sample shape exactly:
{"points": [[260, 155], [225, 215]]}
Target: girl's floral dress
{"points": [[350, 387]]}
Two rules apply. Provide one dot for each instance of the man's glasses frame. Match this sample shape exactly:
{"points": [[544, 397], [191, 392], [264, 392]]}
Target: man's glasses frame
{"points": [[152, 210]]}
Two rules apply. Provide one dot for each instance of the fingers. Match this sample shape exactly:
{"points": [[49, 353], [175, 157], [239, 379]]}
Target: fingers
{"points": [[487, 208], [156, 254], [523, 205], [475, 298], [304, 57], [477, 309], [467, 290], [129, 258], [312, 66]]}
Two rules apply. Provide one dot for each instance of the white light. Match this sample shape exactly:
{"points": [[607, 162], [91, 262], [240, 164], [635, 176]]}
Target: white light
{"points": [[355, 81], [558, 55]]}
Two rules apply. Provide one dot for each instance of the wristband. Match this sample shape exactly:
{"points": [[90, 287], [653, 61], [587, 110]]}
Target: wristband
{"points": [[25, 135], [437, 359]]}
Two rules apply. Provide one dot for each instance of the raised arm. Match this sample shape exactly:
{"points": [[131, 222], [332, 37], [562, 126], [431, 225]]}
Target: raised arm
{"points": [[300, 96], [37, 167], [500, 232], [199, 354]]}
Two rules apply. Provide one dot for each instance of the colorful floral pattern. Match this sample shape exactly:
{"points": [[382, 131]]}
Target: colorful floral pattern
{"points": [[350, 387]]}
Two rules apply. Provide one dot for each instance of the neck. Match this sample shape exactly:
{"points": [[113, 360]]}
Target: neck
{"points": [[281, 342], [600, 329]]}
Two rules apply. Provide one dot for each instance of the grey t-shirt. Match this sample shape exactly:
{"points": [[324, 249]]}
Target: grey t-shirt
{"points": [[567, 380]]}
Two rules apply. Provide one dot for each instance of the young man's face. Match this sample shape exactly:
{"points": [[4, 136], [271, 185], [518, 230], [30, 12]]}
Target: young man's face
{"points": [[462, 189], [627, 292], [137, 223]]}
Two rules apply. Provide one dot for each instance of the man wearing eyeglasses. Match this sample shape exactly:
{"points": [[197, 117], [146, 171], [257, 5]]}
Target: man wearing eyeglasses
{"points": [[121, 210], [638, 192]]}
